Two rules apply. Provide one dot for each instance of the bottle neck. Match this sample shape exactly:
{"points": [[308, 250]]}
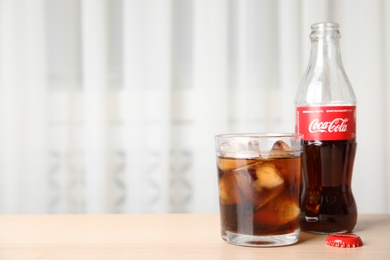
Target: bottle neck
{"points": [[325, 49], [325, 52]]}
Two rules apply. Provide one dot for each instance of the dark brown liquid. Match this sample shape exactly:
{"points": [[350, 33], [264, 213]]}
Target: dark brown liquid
{"points": [[247, 209], [327, 203]]}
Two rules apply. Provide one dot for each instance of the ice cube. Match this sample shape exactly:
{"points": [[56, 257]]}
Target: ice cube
{"points": [[259, 182], [232, 185], [226, 164], [244, 149], [229, 191], [288, 211], [268, 177], [279, 211], [280, 149], [267, 185]]}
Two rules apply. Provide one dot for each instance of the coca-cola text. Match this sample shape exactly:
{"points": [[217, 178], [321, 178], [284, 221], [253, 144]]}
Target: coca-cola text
{"points": [[337, 125]]}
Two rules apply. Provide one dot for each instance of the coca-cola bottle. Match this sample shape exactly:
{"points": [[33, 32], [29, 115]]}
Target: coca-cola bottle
{"points": [[326, 116]]}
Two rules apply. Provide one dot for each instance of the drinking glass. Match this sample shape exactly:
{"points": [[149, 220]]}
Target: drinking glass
{"points": [[259, 178]]}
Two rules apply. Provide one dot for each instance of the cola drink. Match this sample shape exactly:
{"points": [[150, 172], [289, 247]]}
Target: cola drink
{"points": [[326, 116], [248, 207]]}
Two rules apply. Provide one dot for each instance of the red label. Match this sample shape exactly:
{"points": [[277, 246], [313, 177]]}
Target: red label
{"points": [[326, 122]]}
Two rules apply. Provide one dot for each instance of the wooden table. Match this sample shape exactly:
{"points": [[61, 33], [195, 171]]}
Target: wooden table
{"points": [[166, 236]]}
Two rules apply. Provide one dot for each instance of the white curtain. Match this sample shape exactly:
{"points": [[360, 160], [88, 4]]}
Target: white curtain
{"points": [[111, 106]]}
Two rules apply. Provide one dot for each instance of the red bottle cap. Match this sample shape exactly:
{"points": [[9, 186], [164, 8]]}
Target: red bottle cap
{"points": [[344, 240]]}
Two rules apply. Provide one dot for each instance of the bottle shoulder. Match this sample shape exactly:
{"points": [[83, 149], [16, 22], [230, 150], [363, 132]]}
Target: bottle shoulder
{"points": [[325, 86]]}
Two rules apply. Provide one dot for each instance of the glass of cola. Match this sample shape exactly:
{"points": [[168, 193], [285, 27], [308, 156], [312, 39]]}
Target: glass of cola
{"points": [[259, 179]]}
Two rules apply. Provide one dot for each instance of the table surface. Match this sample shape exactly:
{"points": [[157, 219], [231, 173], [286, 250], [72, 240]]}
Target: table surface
{"points": [[165, 236]]}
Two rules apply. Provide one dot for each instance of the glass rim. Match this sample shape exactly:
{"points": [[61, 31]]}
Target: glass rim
{"points": [[325, 25], [259, 135], [325, 30]]}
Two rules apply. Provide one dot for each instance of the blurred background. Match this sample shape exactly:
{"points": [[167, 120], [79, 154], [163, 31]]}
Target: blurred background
{"points": [[111, 106]]}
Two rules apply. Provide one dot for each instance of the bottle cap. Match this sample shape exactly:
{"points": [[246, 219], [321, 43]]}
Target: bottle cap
{"points": [[344, 240]]}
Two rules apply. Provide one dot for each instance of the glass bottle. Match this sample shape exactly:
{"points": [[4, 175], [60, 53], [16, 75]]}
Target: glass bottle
{"points": [[326, 116]]}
